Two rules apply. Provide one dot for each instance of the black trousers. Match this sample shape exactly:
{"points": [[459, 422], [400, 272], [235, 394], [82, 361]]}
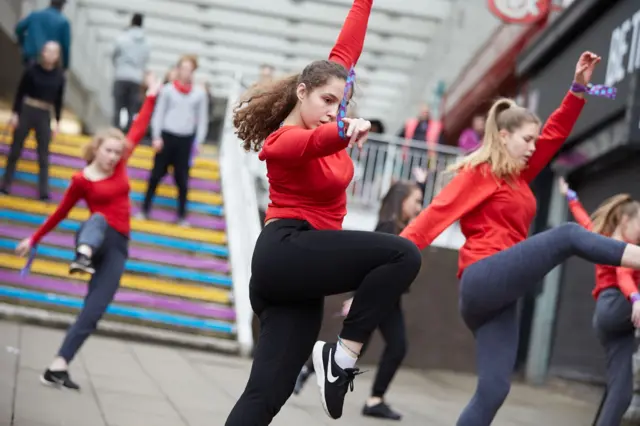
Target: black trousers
{"points": [[176, 152], [394, 333], [40, 121], [127, 96], [294, 267]]}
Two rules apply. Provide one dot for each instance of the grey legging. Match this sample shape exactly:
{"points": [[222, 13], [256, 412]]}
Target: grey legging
{"points": [[110, 250], [489, 291], [612, 322]]}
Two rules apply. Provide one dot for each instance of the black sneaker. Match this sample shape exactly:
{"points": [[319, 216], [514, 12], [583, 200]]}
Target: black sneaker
{"points": [[82, 263], [302, 379], [58, 379], [333, 381], [380, 411]]}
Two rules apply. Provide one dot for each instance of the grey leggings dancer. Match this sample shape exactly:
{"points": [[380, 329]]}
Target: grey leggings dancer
{"points": [[489, 290], [110, 250], [612, 322]]}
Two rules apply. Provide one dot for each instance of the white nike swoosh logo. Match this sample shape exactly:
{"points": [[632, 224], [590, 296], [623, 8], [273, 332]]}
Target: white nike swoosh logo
{"points": [[330, 377]]}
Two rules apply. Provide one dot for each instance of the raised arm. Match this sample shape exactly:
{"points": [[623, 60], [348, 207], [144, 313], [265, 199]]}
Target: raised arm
{"points": [[141, 123], [298, 144], [555, 131], [71, 196], [350, 42], [463, 194]]}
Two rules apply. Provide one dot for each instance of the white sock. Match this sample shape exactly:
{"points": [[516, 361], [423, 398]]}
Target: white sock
{"points": [[343, 357], [58, 364]]}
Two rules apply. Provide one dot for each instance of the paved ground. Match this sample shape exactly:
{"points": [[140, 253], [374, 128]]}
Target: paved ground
{"points": [[134, 384]]}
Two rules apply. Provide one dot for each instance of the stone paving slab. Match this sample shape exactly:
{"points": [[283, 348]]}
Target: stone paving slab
{"points": [[135, 384]]}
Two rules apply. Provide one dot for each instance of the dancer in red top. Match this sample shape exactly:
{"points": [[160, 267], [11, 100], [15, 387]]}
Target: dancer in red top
{"points": [[498, 264], [617, 312], [102, 241], [302, 255]]}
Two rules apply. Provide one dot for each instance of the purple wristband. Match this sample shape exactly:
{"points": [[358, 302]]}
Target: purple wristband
{"points": [[594, 89], [635, 297], [572, 195]]}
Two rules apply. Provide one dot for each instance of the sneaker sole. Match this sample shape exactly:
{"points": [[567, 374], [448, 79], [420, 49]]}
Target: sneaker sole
{"points": [[75, 268], [318, 365], [55, 385]]}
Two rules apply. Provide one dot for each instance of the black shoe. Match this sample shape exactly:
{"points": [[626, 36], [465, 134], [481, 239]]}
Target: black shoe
{"points": [[82, 263], [302, 379], [332, 380], [58, 379], [4, 191], [380, 411], [45, 198]]}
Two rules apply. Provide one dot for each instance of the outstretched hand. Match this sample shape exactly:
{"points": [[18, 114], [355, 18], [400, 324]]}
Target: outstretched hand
{"points": [[585, 66], [357, 130], [154, 84], [563, 186]]}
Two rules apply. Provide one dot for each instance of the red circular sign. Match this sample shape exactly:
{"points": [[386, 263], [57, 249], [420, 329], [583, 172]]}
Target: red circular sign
{"points": [[520, 11]]}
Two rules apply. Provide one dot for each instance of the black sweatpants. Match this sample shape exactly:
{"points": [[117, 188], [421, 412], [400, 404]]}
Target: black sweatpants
{"points": [[40, 121], [294, 267], [394, 333], [110, 251], [489, 291], [127, 95], [616, 333], [176, 152]]}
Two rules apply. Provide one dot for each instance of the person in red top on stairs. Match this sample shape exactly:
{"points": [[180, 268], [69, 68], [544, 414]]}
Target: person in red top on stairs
{"points": [[498, 264], [102, 241], [302, 255], [617, 312]]}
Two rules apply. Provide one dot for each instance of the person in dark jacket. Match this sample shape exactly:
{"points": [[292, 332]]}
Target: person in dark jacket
{"points": [[400, 205], [41, 26]]}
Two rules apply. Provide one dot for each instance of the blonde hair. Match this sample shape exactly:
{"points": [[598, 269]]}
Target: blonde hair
{"points": [[190, 58], [505, 114], [89, 150], [607, 217]]}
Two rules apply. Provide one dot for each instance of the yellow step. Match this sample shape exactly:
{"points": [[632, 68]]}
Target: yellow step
{"points": [[146, 284], [136, 185], [148, 226], [142, 151], [207, 172]]}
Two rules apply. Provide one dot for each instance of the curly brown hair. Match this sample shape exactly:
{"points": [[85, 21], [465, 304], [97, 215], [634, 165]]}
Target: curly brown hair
{"points": [[264, 106]]}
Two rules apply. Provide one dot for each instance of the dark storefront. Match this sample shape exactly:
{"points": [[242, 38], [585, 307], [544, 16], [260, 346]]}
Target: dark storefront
{"points": [[601, 157]]}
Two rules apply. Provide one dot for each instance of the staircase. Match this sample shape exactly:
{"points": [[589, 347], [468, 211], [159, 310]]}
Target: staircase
{"points": [[177, 285]]}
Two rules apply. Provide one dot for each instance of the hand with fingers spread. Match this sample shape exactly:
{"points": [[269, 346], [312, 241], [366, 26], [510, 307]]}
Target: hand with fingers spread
{"points": [[357, 130]]}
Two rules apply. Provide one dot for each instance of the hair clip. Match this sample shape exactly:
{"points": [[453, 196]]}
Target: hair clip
{"points": [[342, 109], [27, 267]]}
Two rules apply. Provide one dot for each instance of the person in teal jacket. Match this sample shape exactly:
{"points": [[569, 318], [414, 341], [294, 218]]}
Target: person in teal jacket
{"points": [[41, 26]]}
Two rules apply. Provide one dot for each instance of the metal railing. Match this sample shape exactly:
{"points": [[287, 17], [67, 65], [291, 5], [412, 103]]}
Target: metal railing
{"points": [[387, 159]]}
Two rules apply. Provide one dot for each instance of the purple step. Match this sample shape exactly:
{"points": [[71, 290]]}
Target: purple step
{"points": [[144, 300], [197, 220], [134, 173], [175, 259]]}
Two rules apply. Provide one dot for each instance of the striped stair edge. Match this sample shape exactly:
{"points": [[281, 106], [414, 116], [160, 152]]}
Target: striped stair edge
{"points": [[120, 330]]}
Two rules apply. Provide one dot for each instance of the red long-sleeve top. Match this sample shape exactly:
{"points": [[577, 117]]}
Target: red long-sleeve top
{"points": [[494, 214], [626, 279], [109, 196], [309, 169]]}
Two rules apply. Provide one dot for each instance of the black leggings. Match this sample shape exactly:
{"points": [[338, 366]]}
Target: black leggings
{"points": [[616, 333], [176, 152], [394, 333], [294, 267], [489, 291], [40, 121]]}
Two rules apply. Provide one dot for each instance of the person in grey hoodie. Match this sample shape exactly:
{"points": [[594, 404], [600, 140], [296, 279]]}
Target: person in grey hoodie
{"points": [[130, 58], [179, 126]]}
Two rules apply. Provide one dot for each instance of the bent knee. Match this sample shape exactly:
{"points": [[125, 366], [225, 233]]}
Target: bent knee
{"points": [[409, 254]]}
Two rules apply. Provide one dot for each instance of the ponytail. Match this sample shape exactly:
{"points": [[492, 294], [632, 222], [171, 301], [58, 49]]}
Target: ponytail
{"points": [[504, 114], [607, 217]]}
